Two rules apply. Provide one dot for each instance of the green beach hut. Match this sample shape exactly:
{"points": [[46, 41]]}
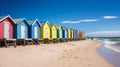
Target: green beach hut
{"points": [[59, 32]]}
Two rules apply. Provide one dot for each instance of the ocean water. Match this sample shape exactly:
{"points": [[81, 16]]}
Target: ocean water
{"points": [[112, 43], [110, 49]]}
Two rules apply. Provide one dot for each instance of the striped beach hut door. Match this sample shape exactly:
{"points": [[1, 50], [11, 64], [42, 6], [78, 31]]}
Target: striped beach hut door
{"points": [[35, 32], [6, 30], [46, 32], [22, 31]]}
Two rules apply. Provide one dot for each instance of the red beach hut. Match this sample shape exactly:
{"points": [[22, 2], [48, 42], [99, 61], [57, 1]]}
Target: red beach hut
{"points": [[6, 27], [81, 34]]}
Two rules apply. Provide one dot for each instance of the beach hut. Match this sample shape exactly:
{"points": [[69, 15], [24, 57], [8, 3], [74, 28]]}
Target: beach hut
{"points": [[81, 34], [21, 28], [75, 33], [34, 29], [71, 33], [78, 34], [53, 31], [68, 32], [65, 33], [59, 32], [6, 27], [45, 29]]}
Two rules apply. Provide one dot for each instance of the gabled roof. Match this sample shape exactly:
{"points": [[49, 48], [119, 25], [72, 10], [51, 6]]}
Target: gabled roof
{"points": [[64, 27], [43, 23], [4, 17], [18, 20], [31, 22], [60, 27], [53, 25]]}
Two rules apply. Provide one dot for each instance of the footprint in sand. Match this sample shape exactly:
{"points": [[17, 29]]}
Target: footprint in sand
{"points": [[76, 57], [65, 50]]}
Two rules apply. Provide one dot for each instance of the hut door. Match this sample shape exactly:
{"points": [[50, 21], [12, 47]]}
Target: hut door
{"points": [[35, 32], [46, 32], [55, 33], [6, 30], [60, 34], [22, 31]]}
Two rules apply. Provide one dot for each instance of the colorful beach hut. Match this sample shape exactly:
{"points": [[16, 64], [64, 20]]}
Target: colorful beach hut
{"points": [[78, 34], [59, 32], [6, 27], [65, 33], [53, 31], [71, 33], [45, 29], [68, 32], [34, 29], [21, 28], [81, 34], [75, 33]]}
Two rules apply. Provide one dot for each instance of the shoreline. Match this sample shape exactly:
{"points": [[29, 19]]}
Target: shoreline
{"points": [[109, 54], [71, 54]]}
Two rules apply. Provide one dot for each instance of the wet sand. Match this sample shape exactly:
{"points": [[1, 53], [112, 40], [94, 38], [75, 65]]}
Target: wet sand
{"points": [[69, 54], [112, 56]]}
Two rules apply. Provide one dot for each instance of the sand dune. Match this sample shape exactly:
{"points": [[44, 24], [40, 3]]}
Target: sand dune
{"points": [[69, 54]]}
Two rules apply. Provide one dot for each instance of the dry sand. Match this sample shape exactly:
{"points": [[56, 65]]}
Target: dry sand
{"points": [[69, 54]]}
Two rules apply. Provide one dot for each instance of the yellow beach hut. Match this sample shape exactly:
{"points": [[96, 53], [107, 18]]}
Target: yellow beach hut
{"points": [[68, 30], [53, 31], [45, 29], [71, 33]]}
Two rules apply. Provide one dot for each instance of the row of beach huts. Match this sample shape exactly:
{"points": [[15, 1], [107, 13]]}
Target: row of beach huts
{"points": [[23, 32]]}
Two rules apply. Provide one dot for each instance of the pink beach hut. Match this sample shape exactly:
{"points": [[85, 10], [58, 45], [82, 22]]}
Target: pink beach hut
{"points": [[6, 27]]}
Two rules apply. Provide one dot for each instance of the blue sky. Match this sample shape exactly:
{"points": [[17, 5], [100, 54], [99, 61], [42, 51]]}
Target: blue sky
{"points": [[94, 17]]}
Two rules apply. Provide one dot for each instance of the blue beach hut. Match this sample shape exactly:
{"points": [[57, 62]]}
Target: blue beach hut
{"points": [[34, 29], [64, 32], [75, 33], [20, 28]]}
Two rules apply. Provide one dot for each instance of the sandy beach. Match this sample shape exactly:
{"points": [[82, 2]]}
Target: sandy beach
{"points": [[69, 54]]}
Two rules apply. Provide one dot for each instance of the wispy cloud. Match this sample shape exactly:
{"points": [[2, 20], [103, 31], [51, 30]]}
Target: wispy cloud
{"points": [[110, 17], [103, 34], [80, 21]]}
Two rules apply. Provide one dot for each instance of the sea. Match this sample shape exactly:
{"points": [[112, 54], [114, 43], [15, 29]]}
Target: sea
{"points": [[110, 49], [112, 43]]}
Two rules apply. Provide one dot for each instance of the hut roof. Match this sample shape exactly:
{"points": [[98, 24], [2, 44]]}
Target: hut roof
{"points": [[4, 17], [17, 20], [30, 22], [43, 22]]}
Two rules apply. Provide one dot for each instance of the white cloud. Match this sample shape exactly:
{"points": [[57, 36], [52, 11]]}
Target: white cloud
{"points": [[110, 17], [103, 34], [80, 21]]}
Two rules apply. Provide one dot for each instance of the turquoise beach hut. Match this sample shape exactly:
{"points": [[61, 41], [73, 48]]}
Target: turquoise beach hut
{"points": [[75, 33], [34, 29], [59, 32], [21, 28], [65, 32]]}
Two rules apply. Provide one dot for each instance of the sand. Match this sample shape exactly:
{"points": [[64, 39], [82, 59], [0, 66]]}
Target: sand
{"points": [[69, 54]]}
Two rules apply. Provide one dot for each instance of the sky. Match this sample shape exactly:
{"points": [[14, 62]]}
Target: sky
{"points": [[94, 17]]}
